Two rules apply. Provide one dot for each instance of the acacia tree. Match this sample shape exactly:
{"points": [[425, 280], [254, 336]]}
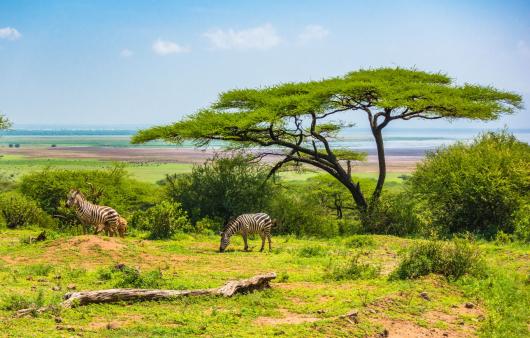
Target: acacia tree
{"points": [[303, 118]]}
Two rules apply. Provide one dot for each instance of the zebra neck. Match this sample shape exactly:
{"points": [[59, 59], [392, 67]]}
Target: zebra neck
{"points": [[234, 228], [82, 206]]}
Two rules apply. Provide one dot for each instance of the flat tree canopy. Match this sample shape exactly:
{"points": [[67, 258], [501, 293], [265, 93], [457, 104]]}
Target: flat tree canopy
{"points": [[303, 118]]}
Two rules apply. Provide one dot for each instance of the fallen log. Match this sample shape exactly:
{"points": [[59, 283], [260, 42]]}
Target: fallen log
{"points": [[73, 299]]}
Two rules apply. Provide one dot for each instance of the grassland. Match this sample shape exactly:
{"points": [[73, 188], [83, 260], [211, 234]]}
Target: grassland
{"points": [[16, 166], [305, 300]]}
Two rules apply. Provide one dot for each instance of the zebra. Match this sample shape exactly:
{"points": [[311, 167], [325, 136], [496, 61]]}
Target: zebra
{"points": [[101, 217], [246, 224]]}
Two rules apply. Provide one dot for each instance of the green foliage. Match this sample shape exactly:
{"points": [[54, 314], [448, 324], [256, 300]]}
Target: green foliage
{"points": [[353, 269], [359, 241], [478, 187], [521, 221], [124, 276], [452, 259], [312, 251], [244, 115], [16, 210], [393, 214], [221, 188], [164, 220], [109, 187], [17, 302], [37, 270]]}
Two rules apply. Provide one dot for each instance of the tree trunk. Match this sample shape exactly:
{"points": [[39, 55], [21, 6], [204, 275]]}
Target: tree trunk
{"points": [[231, 288], [382, 164]]}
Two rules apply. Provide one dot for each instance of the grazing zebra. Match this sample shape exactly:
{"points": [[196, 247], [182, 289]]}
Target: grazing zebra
{"points": [[121, 227], [247, 224], [100, 217]]}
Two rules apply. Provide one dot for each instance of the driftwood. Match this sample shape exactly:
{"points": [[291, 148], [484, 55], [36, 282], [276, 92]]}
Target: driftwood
{"points": [[73, 299]]}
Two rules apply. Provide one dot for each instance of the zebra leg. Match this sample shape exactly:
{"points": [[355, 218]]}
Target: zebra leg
{"points": [[262, 242], [245, 240], [269, 239]]}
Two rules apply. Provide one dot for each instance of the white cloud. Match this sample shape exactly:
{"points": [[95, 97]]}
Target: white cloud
{"points": [[126, 53], [162, 47], [261, 37], [523, 48], [9, 33], [312, 33]]}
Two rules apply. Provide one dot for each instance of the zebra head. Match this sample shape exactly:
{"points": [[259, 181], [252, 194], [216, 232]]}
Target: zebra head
{"points": [[72, 197], [225, 240]]}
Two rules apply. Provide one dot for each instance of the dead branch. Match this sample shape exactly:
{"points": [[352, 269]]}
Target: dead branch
{"points": [[73, 299]]}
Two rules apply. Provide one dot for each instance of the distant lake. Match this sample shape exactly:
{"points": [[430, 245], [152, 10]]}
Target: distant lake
{"points": [[396, 140]]}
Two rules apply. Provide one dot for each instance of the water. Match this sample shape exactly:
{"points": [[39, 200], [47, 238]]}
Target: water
{"points": [[397, 141]]}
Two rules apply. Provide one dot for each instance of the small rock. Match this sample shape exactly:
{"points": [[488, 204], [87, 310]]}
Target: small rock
{"points": [[71, 286], [56, 288], [58, 320], [42, 280], [57, 276], [383, 334], [469, 305], [321, 311], [445, 334], [112, 326], [425, 296]]}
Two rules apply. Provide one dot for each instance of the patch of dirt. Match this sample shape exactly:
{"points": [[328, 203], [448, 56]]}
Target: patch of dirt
{"points": [[100, 323], [407, 329], [287, 318], [87, 246]]}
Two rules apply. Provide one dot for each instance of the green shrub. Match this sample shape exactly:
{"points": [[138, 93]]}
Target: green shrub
{"points": [[451, 259], [359, 241], [477, 187], [312, 251], [124, 276], [522, 223], [393, 214], [16, 210], [37, 270], [18, 302], [110, 187], [221, 188], [166, 219], [353, 269]]}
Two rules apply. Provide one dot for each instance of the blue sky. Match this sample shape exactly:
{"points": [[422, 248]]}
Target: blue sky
{"points": [[151, 62]]}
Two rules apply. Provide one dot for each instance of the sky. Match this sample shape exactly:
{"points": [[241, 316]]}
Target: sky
{"points": [[153, 62]]}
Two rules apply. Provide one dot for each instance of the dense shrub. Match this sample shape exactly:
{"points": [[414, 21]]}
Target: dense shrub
{"points": [[124, 276], [221, 188], [353, 269], [394, 214], [163, 220], [451, 259], [477, 187], [109, 187], [522, 223], [17, 210]]}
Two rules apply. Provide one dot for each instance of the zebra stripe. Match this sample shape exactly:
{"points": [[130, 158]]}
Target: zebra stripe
{"points": [[92, 214], [246, 224]]}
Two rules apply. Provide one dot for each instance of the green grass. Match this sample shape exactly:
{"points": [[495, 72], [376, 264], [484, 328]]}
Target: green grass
{"points": [[319, 281]]}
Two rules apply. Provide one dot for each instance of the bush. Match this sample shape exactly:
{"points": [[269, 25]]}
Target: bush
{"points": [[353, 269], [522, 223], [18, 210], [312, 251], [451, 259], [221, 188], [393, 214], [478, 187], [109, 187], [166, 219], [18, 302], [127, 277]]}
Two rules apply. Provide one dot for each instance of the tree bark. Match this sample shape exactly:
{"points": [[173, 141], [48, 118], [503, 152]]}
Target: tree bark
{"points": [[231, 288], [382, 164]]}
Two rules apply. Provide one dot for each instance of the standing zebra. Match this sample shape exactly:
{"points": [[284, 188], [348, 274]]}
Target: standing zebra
{"points": [[247, 224], [91, 214]]}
